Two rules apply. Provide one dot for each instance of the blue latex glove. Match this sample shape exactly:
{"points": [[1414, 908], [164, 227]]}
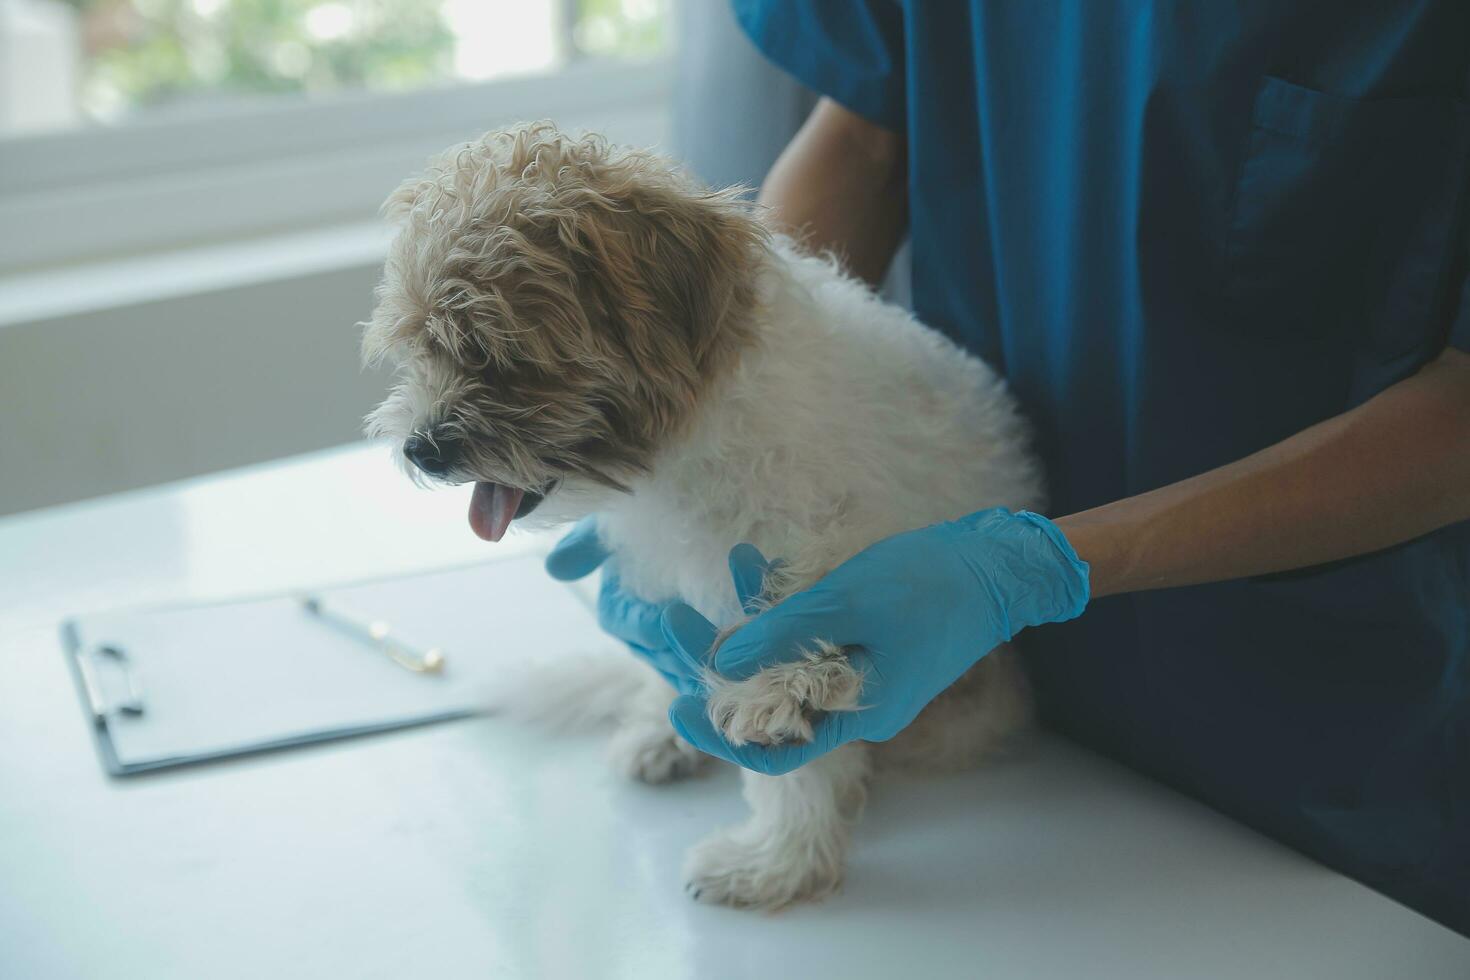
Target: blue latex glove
{"points": [[638, 623], [920, 608]]}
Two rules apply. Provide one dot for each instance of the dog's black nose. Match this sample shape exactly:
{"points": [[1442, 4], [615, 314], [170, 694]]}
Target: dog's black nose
{"points": [[436, 454]]}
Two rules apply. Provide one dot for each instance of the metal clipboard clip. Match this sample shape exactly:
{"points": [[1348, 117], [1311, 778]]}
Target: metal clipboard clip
{"points": [[131, 705]]}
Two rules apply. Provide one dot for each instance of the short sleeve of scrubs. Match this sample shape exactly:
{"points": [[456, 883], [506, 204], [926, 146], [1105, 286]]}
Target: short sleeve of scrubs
{"points": [[850, 52]]}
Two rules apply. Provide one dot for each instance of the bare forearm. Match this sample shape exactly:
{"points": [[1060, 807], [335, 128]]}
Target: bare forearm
{"points": [[840, 186], [1390, 470]]}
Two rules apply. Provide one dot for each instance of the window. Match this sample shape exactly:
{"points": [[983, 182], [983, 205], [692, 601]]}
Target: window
{"points": [[80, 62], [128, 125]]}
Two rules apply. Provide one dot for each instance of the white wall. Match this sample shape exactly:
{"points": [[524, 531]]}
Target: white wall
{"points": [[110, 399]]}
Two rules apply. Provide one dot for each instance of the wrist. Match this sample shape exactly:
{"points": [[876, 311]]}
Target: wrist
{"points": [[1073, 574], [1103, 546], [1028, 565]]}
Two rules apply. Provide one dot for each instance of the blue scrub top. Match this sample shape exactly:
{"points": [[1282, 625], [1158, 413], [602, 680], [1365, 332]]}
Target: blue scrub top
{"points": [[1184, 232]]}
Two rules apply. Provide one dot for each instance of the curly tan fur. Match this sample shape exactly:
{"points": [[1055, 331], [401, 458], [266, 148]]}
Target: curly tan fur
{"points": [[558, 304]]}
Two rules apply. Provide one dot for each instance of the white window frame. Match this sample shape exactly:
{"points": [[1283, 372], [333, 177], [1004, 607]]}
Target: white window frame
{"points": [[289, 164]]}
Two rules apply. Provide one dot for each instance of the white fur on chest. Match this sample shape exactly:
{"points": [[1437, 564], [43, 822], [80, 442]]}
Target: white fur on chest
{"points": [[846, 422]]}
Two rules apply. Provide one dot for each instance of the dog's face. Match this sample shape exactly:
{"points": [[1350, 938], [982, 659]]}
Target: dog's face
{"points": [[555, 308]]}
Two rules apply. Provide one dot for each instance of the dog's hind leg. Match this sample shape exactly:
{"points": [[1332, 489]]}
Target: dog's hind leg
{"points": [[645, 746], [794, 845], [605, 689]]}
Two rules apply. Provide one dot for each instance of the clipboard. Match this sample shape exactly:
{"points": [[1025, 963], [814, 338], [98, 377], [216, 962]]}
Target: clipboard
{"points": [[188, 683]]}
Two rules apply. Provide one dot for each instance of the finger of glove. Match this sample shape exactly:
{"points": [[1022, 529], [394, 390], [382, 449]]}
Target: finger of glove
{"points": [[578, 553], [626, 617], [669, 667], [689, 635], [748, 567], [688, 714], [784, 633]]}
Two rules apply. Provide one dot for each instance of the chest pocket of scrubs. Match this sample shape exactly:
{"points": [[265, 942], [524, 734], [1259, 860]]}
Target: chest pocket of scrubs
{"points": [[1343, 219]]}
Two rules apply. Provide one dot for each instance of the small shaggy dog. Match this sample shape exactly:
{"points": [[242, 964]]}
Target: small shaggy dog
{"points": [[583, 329]]}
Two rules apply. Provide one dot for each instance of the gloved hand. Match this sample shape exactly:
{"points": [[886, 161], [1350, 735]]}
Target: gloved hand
{"points": [[919, 608], [638, 623]]}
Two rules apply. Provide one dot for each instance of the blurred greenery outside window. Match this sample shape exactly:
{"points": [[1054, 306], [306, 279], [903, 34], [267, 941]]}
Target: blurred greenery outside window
{"points": [[178, 57]]}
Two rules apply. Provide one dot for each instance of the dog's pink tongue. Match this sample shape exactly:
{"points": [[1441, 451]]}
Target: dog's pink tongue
{"points": [[492, 508]]}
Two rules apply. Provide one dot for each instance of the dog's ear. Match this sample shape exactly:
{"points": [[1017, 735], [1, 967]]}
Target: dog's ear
{"points": [[660, 277], [673, 268], [702, 259]]}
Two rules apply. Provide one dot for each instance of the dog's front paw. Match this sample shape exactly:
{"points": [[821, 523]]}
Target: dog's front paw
{"points": [[747, 871], [653, 754], [779, 704]]}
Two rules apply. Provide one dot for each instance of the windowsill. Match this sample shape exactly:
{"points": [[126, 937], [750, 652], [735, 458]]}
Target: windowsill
{"points": [[92, 195], [89, 287]]}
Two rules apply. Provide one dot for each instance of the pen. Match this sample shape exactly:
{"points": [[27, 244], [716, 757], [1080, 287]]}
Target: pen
{"points": [[377, 633]]}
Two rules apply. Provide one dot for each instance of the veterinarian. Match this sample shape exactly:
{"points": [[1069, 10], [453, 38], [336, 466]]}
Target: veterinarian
{"points": [[1220, 252]]}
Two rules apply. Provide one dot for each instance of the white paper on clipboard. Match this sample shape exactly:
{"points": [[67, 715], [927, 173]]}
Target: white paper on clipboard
{"points": [[257, 674]]}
